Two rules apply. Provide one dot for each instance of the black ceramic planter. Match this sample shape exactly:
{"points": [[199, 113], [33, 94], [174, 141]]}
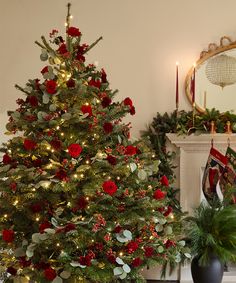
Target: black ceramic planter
{"points": [[213, 272]]}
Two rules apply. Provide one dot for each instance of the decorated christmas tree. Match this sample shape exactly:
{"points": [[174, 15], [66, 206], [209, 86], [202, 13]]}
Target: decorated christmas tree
{"points": [[78, 200]]}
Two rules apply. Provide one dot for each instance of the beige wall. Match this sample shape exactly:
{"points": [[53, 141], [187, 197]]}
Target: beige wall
{"points": [[142, 41]]}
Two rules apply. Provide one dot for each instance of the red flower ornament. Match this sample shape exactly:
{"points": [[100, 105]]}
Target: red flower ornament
{"points": [[44, 70], [8, 235], [106, 101], [86, 109], [69, 227], [6, 159], [61, 175], [12, 270], [159, 194], [70, 83], [132, 110], [132, 247], [128, 102], [74, 150], [62, 49], [112, 159], [109, 187], [73, 31], [85, 260], [56, 144], [164, 181], [51, 87], [107, 127], [136, 262], [95, 83], [29, 144], [50, 274], [148, 251], [13, 186], [130, 150], [44, 226], [32, 100], [103, 76]]}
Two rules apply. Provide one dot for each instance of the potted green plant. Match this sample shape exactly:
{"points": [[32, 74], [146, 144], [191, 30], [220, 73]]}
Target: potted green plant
{"points": [[211, 234]]}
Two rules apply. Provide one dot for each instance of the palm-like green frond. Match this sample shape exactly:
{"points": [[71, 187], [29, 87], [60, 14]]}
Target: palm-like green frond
{"points": [[212, 230]]}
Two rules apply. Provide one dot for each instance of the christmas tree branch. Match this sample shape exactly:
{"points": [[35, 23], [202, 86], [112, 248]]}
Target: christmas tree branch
{"points": [[21, 89], [39, 44], [93, 44], [48, 47], [68, 15]]}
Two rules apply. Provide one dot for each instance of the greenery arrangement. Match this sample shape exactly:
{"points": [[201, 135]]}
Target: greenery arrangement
{"points": [[79, 200], [182, 123], [212, 231]]}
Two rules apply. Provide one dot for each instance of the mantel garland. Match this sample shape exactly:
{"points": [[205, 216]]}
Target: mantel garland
{"points": [[182, 123]]}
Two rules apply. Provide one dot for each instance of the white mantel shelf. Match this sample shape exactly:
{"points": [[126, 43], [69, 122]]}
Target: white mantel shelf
{"points": [[192, 154], [202, 142]]}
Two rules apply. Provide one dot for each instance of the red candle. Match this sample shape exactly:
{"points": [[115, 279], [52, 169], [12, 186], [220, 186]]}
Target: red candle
{"points": [[193, 89], [177, 86]]}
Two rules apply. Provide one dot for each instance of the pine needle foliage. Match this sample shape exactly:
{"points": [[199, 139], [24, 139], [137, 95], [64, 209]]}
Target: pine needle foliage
{"points": [[212, 230]]}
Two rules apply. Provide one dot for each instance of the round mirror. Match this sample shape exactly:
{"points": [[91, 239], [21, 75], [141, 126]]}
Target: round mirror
{"points": [[215, 78]]}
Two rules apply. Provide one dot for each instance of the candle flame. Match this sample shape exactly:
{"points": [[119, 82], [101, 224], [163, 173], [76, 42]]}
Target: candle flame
{"points": [[177, 63]]}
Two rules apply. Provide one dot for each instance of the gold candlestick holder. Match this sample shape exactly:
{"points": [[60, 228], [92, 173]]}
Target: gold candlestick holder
{"points": [[213, 127], [228, 129]]}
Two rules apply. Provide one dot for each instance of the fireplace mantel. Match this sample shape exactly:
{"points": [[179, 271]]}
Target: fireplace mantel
{"points": [[192, 154], [202, 142]]}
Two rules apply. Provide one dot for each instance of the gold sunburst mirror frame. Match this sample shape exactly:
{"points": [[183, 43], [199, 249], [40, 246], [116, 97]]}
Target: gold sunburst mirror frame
{"points": [[204, 88]]}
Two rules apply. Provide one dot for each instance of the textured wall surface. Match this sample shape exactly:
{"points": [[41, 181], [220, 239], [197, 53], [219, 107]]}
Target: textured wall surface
{"points": [[142, 41]]}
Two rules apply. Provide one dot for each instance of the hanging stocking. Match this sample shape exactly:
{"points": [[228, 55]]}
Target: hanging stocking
{"points": [[214, 168], [228, 178]]}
